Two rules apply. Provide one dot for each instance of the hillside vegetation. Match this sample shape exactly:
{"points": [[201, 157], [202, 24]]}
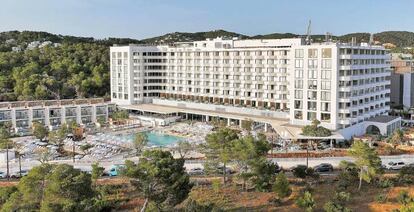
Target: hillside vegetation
{"points": [[77, 67]]}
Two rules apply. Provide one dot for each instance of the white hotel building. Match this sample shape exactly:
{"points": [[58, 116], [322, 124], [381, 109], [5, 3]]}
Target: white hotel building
{"points": [[284, 83]]}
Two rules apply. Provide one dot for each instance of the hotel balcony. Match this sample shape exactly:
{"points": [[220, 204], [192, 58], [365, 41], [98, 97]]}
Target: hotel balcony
{"points": [[22, 115], [54, 113], [87, 111]]}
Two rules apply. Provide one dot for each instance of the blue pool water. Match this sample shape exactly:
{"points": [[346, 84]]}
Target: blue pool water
{"points": [[157, 139]]}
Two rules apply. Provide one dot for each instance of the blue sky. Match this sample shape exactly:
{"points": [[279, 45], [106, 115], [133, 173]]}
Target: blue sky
{"points": [[146, 18]]}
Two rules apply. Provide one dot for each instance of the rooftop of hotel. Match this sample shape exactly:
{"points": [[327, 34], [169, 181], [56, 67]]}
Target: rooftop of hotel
{"points": [[44, 103], [229, 43]]}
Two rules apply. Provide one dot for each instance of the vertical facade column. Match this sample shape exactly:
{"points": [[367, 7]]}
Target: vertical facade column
{"points": [[228, 122], [47, 119], [265, 127], [78, 114], [207, 118], [94, 114], [107, 113], [30, 116], [63, 115], [13, 117]]}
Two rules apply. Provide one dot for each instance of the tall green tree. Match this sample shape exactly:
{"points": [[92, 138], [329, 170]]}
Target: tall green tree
{"points": [[397, 138], [160, 178], [218, 148], [97, 171], [367, 161], [246, 151], [184, 148], [40, 131], [139, 142]]}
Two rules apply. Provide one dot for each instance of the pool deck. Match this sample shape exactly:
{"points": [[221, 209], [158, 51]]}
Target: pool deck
{"points": [[280, 125]]}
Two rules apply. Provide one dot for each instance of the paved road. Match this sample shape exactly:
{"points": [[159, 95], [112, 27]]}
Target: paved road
{"points": [[284, 162]]}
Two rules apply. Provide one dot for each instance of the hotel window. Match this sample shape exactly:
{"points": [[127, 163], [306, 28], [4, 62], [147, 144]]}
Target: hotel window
{"points": [[325, 116], [299, 84], [298, 94], [299, 53], [326, 74], [298, 114], [298, 63], [312, 53], [327, 53], [311, 116], [312, 63], [298, 104], [326, 85], [326, 107], [312, 95], [326, 63], [312, 106], [299, 73], [326, 96], [313, 84], [312, 74]]}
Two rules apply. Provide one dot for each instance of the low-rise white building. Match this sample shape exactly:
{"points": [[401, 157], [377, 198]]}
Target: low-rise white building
{"points": [[53, 113]]}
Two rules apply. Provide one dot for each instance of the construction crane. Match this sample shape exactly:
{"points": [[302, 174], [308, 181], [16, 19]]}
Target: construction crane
{"points": [[308, 40]]}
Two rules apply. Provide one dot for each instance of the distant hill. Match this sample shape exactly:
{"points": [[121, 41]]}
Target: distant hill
{"points": [[399, 38], [23, 38], [196, 36]]}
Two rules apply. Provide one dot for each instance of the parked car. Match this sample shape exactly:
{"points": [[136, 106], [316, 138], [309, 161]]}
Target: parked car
{"points": [[228, 170], [116, 169], [323, 167], [196, 171], [395, 165], [278, 168], [19, 173], [3, 175]]}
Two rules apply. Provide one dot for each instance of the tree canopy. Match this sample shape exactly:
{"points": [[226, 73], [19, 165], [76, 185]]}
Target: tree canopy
{"points": [[367, 161], [53, 188], [314, 130], [160, 178]]}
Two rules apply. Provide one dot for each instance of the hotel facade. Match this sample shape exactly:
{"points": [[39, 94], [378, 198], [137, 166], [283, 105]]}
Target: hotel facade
{"points": [[284, 83]]}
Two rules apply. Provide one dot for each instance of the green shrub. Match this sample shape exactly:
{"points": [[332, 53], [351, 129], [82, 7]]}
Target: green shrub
{"points": [[216, 185], [337, 203], [385, 183], [281, 186], [6, 192], [300, 171], [381, 198], [191, 205], [306, 202], [406, 175], [404, 198]]}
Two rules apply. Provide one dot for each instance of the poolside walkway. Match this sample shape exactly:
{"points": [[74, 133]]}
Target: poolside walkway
{"points": [[280, 125]]}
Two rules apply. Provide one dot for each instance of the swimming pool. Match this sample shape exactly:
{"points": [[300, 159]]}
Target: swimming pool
{"points": [[156, 139]]}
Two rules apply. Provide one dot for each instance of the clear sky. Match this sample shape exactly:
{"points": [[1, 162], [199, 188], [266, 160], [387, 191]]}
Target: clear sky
{"points": [[146, 18]]}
